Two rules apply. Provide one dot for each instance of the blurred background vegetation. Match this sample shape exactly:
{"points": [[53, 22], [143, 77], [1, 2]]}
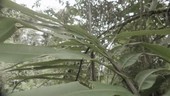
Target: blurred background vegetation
{"points": [[104, 19]]}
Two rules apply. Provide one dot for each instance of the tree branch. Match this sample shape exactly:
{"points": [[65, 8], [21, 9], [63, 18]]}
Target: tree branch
{"points": [[135, 17]]}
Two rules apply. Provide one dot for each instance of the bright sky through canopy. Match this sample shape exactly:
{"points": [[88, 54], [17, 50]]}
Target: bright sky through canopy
{"points": [[45, 4]]}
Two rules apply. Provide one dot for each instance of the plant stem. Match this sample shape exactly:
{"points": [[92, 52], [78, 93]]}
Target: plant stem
{"points": [[128, 81]]}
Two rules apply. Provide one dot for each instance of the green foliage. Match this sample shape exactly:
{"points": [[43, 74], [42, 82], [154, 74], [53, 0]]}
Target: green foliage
{"points": [[7, 28], [146, 79], [91, 50], [165, 31], [76, 89], [18, 53], [159, 50], [38, 16], [53, 90], [129, 59], [167, 94]]}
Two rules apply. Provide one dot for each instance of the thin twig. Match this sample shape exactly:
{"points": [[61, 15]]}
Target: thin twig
{"points": [[80, 67], [17, 85]]}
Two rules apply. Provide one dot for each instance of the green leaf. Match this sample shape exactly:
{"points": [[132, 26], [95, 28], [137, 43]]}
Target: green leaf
{"points": [[17, 53], [116, 88], [149, 82], [38, 16], [45, 67], [143, 32], [27, 25], [49, 76], [56, 90], [100, 89], [129, 59], [98, 49], [71, 42], [98, 92], [167, 93], [76, 89], [7, 28], [145, 79], [61, 36], [49, 62], [160, 80], [69, 54], [79, 31], [162, 51], [39, 77]]}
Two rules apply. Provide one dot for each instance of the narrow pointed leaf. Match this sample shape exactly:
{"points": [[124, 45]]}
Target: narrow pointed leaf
{"points": [[162, 51], [98, 85], [50, 62], [160, 80], [76, 89], [129, 59], [17, 53], [46, 67], [15, 6], [145, 79], [167, 93], [7, 28], [79, 31], [143, 32], [71, 42], [57, 76], [99, 89], [56, 90]]}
